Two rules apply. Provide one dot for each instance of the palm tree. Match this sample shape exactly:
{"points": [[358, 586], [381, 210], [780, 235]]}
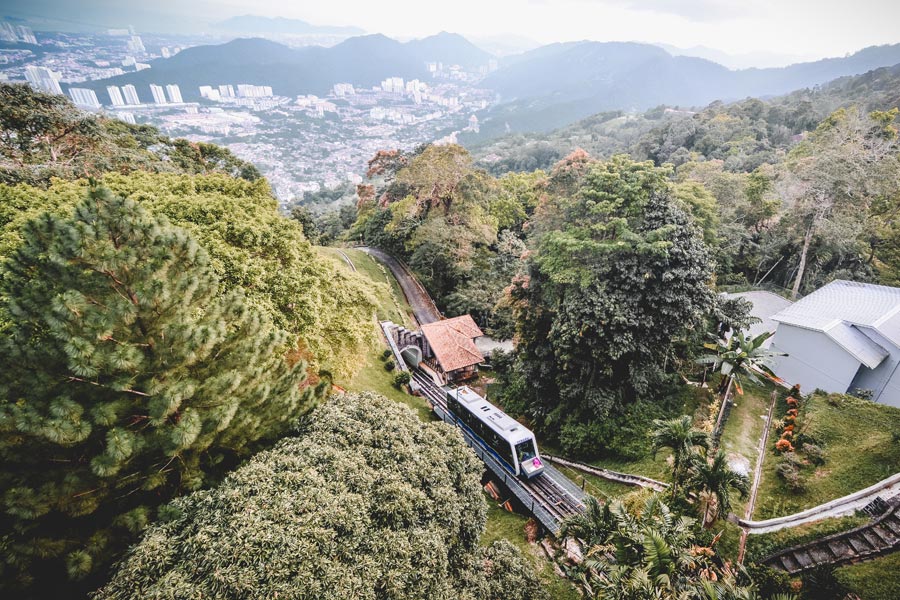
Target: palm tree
{"points": [[683, 439], [652, 554], [740, 355], [713, 481]]}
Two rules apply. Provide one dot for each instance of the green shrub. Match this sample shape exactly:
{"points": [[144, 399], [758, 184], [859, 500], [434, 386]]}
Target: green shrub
{"points": [[788, 470], [389, 366], [815, 454], [402, 378], [769, 581]]}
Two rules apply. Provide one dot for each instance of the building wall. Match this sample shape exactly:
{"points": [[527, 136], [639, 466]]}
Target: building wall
{"points": [[814, 360], [884, 380]]}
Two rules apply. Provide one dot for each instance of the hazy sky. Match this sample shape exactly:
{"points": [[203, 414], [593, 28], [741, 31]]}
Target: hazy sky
{"points": [[814, 28]]}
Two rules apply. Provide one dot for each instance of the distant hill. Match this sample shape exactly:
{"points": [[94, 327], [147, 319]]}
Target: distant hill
{"points": [[363, 60], [555, 85], [256, 24], [450, 49], [744, 134]]}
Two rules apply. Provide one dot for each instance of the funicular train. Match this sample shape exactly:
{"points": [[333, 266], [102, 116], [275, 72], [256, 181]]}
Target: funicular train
{"points": [[510, 442]]}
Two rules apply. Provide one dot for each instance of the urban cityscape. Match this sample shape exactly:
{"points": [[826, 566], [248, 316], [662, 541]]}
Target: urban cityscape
{"points": [[302, 144]]}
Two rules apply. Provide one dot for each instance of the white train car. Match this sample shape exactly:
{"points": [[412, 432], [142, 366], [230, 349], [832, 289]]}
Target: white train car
{"points": [[506, 439]]}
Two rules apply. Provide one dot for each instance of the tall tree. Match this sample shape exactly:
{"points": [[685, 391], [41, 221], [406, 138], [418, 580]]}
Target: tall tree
{"points": [[680, 436], [738, 355], [833, 178], [714, 481], [128, 377], [649, 554], [618, 273]]}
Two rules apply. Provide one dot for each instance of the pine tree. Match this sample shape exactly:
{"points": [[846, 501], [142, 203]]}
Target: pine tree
{"points": [[127, 378]]}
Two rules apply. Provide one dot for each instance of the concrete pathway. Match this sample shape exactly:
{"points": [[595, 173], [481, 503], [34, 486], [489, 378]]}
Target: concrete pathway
{"points": [[424, 309], [757, 474]]}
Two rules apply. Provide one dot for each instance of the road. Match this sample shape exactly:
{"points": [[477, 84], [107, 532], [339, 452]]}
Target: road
{"points": [[421, 303]]}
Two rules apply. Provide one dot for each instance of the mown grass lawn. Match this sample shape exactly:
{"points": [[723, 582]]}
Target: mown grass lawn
{"points": [[392, 305], [743, 430], [858, 437]]}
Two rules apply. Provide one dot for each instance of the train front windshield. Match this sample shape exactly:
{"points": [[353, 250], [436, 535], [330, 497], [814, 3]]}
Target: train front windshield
{"points": [[525, 451]]}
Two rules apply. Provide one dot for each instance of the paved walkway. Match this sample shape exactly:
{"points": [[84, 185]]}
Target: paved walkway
{"points": [[757, 475], [421, 303]]}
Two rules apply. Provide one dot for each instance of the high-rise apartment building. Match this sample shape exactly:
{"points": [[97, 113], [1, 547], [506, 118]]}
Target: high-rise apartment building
{"points": [[174, 93], [115, 95], [43, 79], [131, 95], [84, 98], [159, 95]]}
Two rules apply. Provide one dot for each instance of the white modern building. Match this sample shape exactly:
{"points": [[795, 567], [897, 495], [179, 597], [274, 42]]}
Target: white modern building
{"points": [[136, 45], [84, 98], [844, 337], [253, 91], [43, 79], [344, 89], [159, 95], [115, 95], [131, 95], [226, 91], [210, 93], [174, 93]]}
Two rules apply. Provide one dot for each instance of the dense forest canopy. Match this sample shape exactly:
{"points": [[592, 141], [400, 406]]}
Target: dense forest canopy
{"points": [[602, 269], [365, 501], [161, 322]]}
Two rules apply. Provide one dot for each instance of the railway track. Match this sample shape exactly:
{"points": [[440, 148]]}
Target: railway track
{"points": [[554, 498], [545, 492], [863, 543]]}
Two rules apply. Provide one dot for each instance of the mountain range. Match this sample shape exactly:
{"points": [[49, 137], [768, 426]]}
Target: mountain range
{"points": [[362, 61], [539, 90], [560, 83]]}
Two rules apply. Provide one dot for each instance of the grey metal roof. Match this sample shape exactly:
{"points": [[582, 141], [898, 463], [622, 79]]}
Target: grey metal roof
{"points": [[765, 305], [843, 310]]}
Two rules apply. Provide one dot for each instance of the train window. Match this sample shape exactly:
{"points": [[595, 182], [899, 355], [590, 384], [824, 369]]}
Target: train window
{"points": [[525, 450]]}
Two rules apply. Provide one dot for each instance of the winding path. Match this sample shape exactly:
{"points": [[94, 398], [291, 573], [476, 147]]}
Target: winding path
{"points": [[424, 309]]}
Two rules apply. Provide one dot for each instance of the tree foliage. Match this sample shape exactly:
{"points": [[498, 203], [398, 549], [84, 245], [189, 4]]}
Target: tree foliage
{"points": [[43, 136], [366, 501], [618, 273], [651, 553], [129, 375], [251, 247]]}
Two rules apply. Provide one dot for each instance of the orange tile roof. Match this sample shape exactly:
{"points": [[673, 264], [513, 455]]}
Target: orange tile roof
{"points": [[452, 341]]}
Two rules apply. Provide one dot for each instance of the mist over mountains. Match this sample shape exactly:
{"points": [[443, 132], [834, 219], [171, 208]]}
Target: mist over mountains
{"points": [[557, 84], [538, 90], [256, 24]]}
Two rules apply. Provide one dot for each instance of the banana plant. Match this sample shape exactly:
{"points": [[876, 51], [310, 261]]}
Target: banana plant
{"points": [[739, 356]]}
